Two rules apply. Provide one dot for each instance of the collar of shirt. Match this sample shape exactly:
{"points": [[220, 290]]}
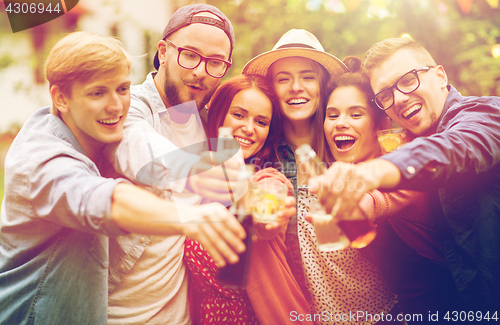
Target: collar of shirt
{"points": [[62, 131], [148, 87]]}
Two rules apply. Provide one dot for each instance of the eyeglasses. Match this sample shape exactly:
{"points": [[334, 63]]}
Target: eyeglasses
{"points": [[408, 83], [190, 59]]}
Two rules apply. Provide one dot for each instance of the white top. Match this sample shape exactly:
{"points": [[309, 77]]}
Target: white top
{"points": [[155, 289], [148, 283]]}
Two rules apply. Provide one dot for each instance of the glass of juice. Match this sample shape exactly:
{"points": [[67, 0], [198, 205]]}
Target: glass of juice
{"points": [[266, 200], [329, 236], [358, 228], [392, 139]]}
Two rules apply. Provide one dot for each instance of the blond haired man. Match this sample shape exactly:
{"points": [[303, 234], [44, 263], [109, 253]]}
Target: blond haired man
{"points": [[58, 210]]}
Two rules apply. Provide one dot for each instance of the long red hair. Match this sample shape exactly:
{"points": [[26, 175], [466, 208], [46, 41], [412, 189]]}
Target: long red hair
{"points": [[221, 101]]}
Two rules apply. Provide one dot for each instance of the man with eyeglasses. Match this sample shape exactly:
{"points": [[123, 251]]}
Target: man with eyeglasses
{"points": [[164, 136], [455, 157]]}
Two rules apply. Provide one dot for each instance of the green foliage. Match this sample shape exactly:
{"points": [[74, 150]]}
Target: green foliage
{"points": [[5, 61], [461, 43]]}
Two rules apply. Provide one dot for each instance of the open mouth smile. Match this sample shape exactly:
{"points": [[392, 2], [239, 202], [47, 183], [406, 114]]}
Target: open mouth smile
{"points": [[110, 121], [297, 101], [344, 142], [412, 111], [243, 141]]}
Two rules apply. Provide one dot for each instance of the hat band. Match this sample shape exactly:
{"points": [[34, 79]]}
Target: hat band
{"points": [[293, 45], [208, 21]]}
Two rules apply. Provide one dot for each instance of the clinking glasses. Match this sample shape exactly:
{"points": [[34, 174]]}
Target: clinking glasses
{"points": [[408, 83], [190, 59]]}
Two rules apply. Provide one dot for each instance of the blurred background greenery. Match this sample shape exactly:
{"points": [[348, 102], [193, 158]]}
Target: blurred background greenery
{"points": [[462, 35]]}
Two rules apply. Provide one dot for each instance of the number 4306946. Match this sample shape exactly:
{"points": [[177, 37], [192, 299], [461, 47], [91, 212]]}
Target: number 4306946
{"points": [[31, 8]]}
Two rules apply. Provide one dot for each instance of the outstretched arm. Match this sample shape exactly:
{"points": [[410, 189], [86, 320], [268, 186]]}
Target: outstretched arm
{"points": [[138, 211], [379, 206], [341, 189]]}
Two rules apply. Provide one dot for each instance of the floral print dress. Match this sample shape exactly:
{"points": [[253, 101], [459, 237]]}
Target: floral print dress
{"points": [[211, 303]]}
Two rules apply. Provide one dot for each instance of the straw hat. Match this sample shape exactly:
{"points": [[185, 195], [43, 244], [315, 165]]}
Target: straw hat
{"points": [[296, 42]]}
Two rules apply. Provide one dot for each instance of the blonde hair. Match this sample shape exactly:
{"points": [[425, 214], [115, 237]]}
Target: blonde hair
{"points": [[81, 56], [383, 50]]}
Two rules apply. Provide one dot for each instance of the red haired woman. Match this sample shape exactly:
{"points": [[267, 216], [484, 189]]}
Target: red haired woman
{"points": [[249, 105]]}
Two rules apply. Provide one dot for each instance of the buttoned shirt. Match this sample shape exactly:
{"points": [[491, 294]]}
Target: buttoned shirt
{"points": [[145, 142], [149, 157], [460, 164], [53, 225]]}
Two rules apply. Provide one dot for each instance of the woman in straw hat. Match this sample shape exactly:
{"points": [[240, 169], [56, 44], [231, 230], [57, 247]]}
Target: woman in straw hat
{"points": [[300, 71]]}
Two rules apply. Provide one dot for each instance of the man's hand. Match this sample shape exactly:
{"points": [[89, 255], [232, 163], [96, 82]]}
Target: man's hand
{"points": [[267, 231], [343, 185], [212, 180], [218, 231]]}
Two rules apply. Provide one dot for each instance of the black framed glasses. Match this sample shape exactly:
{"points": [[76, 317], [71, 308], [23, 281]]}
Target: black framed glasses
{"points": [[408, 83], [190, 59]]}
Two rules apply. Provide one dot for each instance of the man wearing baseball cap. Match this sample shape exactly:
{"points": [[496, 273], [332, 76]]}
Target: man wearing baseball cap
{"points": [[147, 277]]}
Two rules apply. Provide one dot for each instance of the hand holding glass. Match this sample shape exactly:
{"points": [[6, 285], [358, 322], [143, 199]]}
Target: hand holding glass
{"points": [[266, 200], [328, 234], [358, 228]]}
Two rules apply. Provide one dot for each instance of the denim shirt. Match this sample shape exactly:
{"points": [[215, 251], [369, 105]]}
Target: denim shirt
{"points": [[293, 256], [54, 223], [460, 164]]}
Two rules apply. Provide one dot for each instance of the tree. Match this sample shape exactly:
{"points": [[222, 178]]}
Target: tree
{"points": [[460, 42]]}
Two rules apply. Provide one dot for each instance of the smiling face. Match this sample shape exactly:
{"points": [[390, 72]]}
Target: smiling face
{"points": [[297, 84], [179, 85], [250, 116], [350, 127], [419, 111], [95, 111]]}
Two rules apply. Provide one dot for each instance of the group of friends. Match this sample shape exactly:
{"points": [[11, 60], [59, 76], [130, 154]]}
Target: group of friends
{"points": [[114, 213]]}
